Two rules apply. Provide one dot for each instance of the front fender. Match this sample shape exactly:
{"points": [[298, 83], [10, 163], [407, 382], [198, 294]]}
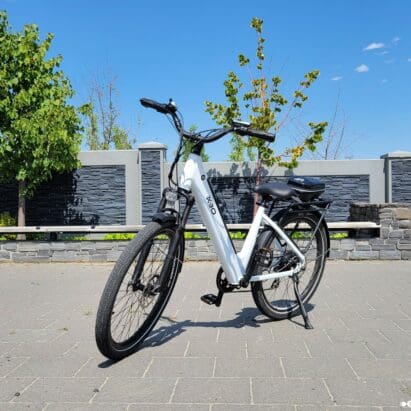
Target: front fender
{"points": [[166, 219]]}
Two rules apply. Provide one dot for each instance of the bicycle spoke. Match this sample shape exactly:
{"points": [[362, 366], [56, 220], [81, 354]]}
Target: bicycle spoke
{"points": [[133, 304]]}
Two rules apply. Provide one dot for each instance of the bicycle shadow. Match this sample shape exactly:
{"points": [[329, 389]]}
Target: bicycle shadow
{"points": [[247, 317], [244, 318]]}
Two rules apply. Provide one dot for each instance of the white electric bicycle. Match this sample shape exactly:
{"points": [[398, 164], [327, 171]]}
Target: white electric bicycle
{"points": [[283, 255]]}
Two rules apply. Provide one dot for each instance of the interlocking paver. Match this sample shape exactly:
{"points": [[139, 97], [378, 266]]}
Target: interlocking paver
{"points": [[344, 349], [198, 348], [97, 367], [41, 350], [9, 364], [335, 408], [30, 406], [253, 407], [11, 387], [376, 368], [367, 392], [277, 349], [5, 348], [63, 366], [129, 390], [250, 367], [212, 390], [290, 391], [168, 407], [81, 406], [389, 350], [357, 358], [60, 390], [29, 335], [315, 368], [404, 325], [181, 367]]}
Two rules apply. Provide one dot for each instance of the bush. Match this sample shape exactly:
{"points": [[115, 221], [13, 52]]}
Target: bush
{"points": [[119, 236], [6, 220], [339, 236], [188, 235]]}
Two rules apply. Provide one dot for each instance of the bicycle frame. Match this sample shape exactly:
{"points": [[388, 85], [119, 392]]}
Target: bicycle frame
{"points": [[194, 179]]}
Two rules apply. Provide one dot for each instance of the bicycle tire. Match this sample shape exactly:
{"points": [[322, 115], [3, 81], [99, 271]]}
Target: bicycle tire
{"points": [[284, 305], [136, 255]]}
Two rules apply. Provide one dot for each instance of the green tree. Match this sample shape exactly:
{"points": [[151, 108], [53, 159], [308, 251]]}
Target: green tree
{"points": [[39, 131], [100, 114], [262, 102], [188, 147]]}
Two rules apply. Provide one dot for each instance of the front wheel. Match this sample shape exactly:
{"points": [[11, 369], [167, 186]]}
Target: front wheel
{"points": [[276, 298], [137, 291]]}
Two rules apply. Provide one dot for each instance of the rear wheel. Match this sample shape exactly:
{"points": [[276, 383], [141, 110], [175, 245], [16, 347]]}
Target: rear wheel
{"points": [[133, 301], [276, 298]]}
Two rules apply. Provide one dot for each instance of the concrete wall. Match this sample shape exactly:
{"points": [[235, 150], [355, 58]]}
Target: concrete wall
{"points": [[347, 181], [124, 187]]}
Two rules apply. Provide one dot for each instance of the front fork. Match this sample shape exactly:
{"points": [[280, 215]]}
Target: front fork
{"points": [[165, 215], [177, 241]]}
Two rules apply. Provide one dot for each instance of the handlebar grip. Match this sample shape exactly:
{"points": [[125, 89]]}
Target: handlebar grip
{"points": [[261, 134], [245, 131], [161, 108]]}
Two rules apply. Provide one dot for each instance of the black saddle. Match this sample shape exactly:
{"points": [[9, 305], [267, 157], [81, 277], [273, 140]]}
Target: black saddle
{"points": [[278, 191], [305, 188]]}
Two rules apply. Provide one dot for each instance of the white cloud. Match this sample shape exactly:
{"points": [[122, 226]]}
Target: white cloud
{"points": [[362, 68], [374, 46], [336, 78], [383, 53], [395, 40], [409, 59]]}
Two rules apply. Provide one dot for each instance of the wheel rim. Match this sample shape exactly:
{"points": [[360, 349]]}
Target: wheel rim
{"points": [[138, 295], [279, 293]]}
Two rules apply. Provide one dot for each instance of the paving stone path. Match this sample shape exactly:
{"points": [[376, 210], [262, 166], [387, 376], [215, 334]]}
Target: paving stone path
{"points": [[358, 357]]}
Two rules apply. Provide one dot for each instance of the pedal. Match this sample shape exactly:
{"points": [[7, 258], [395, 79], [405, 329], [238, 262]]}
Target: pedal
{"points": [[212, 299], [209, 299]]}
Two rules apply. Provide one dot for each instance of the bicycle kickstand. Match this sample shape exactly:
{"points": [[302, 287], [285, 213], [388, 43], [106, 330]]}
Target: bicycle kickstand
{"points": [[307, 323]]}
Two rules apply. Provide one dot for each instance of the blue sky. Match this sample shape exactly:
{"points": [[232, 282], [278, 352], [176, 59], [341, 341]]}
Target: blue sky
{"points": [[183, 49]]}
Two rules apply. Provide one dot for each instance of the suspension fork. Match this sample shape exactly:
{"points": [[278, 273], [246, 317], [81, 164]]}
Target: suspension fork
{"points": [[176, 242], [173, 248]]}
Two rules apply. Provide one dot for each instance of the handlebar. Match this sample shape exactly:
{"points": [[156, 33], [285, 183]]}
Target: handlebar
{"points": [[169, 108], [238, 127], [263, 135]]}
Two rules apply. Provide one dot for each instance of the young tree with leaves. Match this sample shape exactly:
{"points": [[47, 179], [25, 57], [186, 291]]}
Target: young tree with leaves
{"points": [[39, 130], [102, 131], [261, 101]]}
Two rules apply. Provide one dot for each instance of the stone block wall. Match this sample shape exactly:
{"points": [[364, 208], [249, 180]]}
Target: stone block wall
{"points": [[401, 180], [393, 243], [90, 195], [150, 182], [60, 251]]}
